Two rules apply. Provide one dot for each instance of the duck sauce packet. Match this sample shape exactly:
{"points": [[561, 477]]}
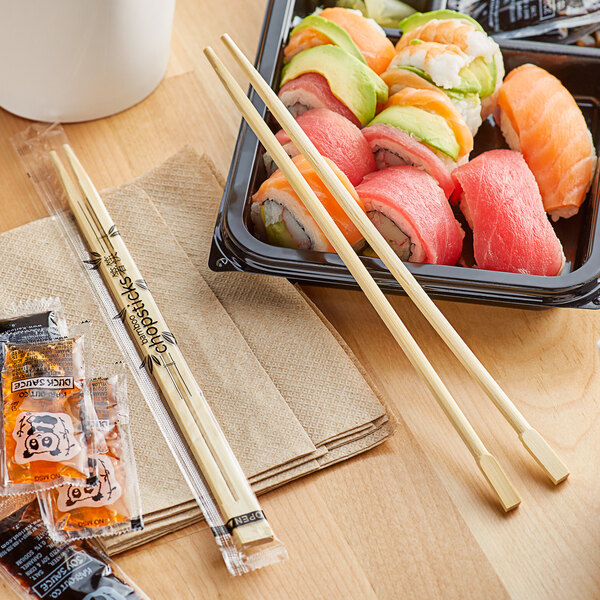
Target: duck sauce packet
{"points": [[37, 567], [45, 415], [113, 504]]}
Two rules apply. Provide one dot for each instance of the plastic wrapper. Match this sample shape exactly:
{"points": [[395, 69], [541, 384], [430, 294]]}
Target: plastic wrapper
{"points": [[387, 13], [512, 19], [37, 567], [33, 146], [46, 415], [113, 504]]}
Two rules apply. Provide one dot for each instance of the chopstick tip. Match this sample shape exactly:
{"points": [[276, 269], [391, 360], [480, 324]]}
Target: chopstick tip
{"points": [[497, 478], [544, 455]]}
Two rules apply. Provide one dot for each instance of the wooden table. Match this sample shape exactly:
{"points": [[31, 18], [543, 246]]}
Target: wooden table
{"points": [[381, 525]]}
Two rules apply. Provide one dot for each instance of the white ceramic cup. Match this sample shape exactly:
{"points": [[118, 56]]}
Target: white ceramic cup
{"points": [[76, 60]]}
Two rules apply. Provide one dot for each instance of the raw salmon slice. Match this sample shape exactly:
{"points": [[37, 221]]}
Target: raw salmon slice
{"points": [[540, 117]]}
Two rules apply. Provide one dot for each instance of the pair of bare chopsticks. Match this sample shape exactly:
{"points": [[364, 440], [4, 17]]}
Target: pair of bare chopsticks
{"points": [[531, 439], [163, 359]]}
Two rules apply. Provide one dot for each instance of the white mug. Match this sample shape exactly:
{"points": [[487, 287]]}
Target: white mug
{"points": [[76, 60]]}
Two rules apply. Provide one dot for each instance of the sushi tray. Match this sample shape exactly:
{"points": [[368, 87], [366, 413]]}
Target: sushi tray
{"points": [[239, 246]]}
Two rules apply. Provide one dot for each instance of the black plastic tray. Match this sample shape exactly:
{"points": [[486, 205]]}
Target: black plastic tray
{"points": [[235, 248]]}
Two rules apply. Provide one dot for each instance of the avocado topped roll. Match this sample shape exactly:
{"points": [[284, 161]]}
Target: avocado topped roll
{"points": [[436, 102], [468, 105], [328, 77], [455, 29], [360, 37], [445, 65]]}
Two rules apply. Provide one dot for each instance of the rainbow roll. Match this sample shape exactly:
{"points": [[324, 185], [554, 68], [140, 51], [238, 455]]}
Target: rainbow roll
{"points": [[280, 217], [335, 138], [328, 77], [410, 210]]}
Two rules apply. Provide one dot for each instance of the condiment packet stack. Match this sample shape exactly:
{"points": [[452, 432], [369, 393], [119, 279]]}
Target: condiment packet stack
{"points": [[64, 437], [289, 395]]}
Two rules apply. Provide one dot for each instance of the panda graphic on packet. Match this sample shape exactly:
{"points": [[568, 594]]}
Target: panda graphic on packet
{"points": [[106, 491]]}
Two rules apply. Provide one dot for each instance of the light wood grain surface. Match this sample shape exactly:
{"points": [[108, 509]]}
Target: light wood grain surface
{"points": [[382, 525]]}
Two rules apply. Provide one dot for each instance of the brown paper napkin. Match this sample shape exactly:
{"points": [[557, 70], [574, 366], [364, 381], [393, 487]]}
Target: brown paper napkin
{"points": [[269, 312], [315, 371], [287, 391]]}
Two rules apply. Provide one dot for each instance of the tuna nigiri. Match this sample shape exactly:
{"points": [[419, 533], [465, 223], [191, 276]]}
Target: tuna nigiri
{"points": [[501, 202], [411, 212], [280, 216], [336, 138], [539, 117]]}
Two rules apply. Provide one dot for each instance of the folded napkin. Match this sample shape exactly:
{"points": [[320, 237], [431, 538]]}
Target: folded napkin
{"points": [[288, 393]]}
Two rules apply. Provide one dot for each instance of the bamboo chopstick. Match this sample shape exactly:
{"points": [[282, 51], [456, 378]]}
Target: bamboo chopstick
{"points": [[163, 359], [489, 466], [531, 439]]}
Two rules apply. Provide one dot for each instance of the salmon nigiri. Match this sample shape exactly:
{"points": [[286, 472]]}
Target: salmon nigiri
{"points": [[436, 102], [539, 117], [279, 214]]}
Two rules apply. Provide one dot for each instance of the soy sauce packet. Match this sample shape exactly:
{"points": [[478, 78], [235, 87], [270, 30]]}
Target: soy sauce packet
{"points": [[113, 504], [517, 19], [46, 437], [35, 320], [37, 567]]}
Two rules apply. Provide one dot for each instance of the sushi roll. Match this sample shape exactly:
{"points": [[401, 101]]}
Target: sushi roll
{"points": [[348, 29], [408, 135], [436, 102], [448, 27], [313, 31], [468, 105], [328, 77], [280, 217], [539, 117], [501, 202], [453, 28], [443, 64], [411, 212], [335, 138], [392, 146]]}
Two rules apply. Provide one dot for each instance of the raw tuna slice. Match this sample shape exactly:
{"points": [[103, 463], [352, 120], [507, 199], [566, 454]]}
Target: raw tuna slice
{"points": [[336, 138], [311, 90], [409, 209], [392, 146], [501, 201]]}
